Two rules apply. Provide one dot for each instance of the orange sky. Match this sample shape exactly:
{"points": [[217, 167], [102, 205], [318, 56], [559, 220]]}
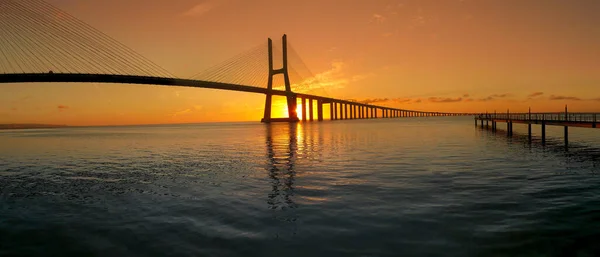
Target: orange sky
{"points": [[435, 55]]}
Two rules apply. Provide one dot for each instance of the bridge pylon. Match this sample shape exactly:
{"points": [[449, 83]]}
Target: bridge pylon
{"points": [[291, 96]]}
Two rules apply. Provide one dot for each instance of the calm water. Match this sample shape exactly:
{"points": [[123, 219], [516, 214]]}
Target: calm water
{"points": [[412, 187]]}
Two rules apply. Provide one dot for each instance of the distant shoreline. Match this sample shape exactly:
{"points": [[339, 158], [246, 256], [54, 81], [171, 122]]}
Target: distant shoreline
{"points": [[30, 126]]}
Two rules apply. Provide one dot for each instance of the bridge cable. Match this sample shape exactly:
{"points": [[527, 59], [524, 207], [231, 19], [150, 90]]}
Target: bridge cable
{"points": [[37, 43], [76, 39], [69, 56], [114, 44], [220, 72], [87, 47]]}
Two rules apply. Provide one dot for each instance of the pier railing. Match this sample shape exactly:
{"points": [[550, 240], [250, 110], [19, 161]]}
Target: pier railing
{"points": [[546, 116]]}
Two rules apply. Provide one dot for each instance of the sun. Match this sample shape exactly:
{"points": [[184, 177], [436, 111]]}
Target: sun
{"points": [[284, 110]]}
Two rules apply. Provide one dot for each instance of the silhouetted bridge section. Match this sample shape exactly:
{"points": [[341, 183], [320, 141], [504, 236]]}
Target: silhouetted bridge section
{"points": [[41, 43], [564, 119], [339, 109]]}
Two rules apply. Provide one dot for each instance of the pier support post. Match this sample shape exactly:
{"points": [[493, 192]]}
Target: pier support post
{"points": [[543, 132], [566, 137], [529, 132]]}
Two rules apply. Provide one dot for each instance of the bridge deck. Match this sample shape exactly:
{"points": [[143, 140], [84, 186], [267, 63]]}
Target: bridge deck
{"points": [[163, 81]]}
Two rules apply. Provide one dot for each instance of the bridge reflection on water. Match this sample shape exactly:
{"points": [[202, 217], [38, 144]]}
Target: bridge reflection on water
{"points": [[282, 151]]}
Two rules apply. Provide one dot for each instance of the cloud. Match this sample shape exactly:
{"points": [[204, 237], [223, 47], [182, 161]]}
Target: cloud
{"points": [[62, 107], [494, 97], [444, 99], [13, 109], [378, 18], [466, 95], [535, 94], [199, 9], [560, 97], [179, 113], [193, 109], [374, 100], [334, 78]]}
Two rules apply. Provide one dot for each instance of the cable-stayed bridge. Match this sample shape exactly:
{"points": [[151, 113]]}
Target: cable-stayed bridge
{"points": [[41, 43]]}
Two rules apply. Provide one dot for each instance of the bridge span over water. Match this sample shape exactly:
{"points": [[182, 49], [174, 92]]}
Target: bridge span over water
{"points": [[42, 43]]}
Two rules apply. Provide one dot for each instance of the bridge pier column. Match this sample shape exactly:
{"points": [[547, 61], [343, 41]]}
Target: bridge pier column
{"points": [[303, 108], [364, 112], [331, 115], [320, 110], [346, 111], [481, 123], [310, 109], [361, 111]]}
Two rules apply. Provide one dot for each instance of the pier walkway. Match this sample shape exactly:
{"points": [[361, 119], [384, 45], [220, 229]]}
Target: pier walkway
{"points": [[565, 119]]}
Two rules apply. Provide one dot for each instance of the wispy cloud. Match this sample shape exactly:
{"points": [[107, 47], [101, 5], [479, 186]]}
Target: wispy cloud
{"points": [[560, 97], [188, 111], [334, 78], [535, 94], [62, 107], [444, 99], [378, 18], [494, 97], [374, 100], [199, 9]]}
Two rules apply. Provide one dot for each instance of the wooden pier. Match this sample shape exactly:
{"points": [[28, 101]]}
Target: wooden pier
{"points": [[565, 119]]}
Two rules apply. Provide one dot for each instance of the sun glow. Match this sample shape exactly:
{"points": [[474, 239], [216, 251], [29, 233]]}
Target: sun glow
{"points": [[284, 110]]}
